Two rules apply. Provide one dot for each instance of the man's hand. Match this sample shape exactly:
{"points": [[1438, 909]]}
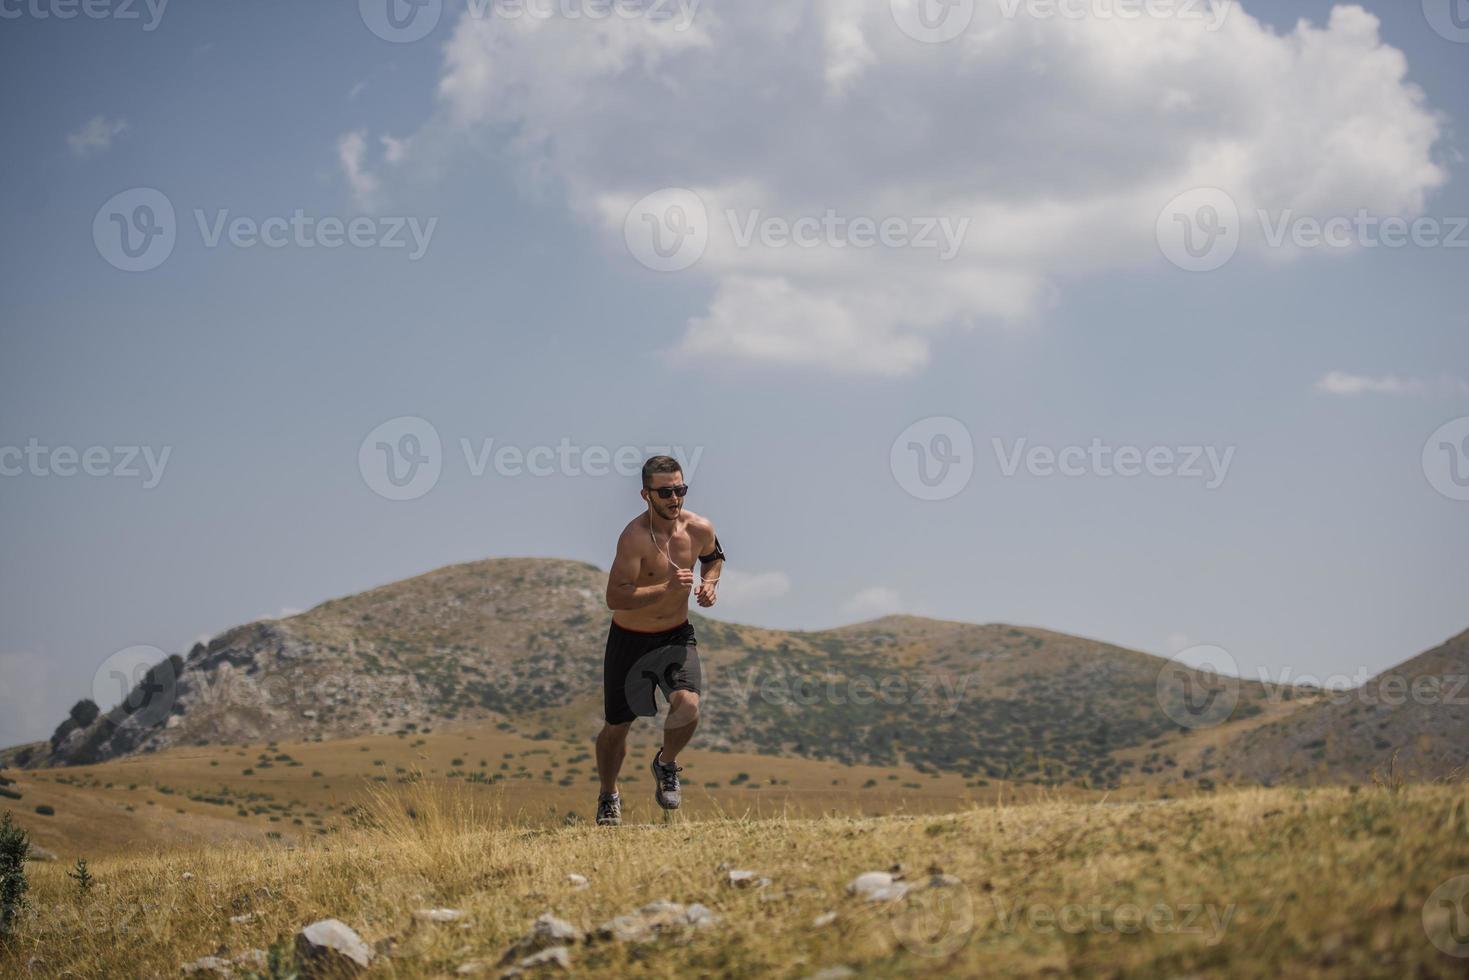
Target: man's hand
{"points": [[706, 593], [683, 578]]}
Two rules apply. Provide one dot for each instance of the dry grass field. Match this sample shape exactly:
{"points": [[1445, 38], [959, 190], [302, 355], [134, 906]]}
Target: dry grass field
{"points": [[295, 791], [1262, 882]]}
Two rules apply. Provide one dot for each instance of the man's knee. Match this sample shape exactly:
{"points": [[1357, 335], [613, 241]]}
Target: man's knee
{"points": [[614, 734], [683, 709]]}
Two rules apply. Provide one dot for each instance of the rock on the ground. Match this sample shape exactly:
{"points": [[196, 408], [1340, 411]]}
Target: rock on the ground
{"points": [[656, 917], [577, 881], [747, 879], [833, 973], [209, 964], [40, 854], [823, 920], [255, 959], [547, 931], [877, 886], [557, 957], [438, 915], [943, 881], [330, 948]]}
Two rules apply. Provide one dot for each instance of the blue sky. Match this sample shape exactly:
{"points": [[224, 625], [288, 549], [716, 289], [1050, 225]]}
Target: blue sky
{"points": [[526, 150]]}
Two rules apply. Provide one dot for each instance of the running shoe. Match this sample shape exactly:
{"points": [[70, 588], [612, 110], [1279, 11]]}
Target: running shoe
{"points": [[665, 782], [609, 810]]}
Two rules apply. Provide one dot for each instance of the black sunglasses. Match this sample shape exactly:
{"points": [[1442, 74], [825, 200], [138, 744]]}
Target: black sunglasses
{"points": [[665, 492]]}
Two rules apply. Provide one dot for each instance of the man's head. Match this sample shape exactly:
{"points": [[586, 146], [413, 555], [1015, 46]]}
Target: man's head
{"points": [[661, 473]]}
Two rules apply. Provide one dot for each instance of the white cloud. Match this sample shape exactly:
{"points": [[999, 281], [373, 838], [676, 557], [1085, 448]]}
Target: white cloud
{"points": [[95, 135], [751, 588], [352, 153], [1061, 140], [877, 600], [1349, 385], [365, 183]]}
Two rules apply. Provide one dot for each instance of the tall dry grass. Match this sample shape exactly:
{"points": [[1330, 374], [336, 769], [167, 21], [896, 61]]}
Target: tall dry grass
{"points": [[1273, 882]]}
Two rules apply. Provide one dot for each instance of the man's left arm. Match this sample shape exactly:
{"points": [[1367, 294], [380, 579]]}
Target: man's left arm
{"points": [[711, 565]]}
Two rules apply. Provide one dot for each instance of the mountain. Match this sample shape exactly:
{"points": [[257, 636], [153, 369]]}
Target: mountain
{"points": [[518, 642], [1412, 720]]}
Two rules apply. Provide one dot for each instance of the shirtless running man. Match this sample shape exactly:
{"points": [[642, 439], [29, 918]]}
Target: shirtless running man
{"points": [[650, 644]]}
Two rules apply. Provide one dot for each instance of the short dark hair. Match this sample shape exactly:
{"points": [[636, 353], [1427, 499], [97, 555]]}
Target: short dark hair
{"points": [[659, 464]]}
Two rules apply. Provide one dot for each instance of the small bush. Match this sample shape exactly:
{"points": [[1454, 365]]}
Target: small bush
{"points": [[14, 846], [46, 810]]}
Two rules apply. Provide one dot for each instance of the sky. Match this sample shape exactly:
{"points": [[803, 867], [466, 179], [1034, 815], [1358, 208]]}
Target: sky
{"points": [[1145, 324]]}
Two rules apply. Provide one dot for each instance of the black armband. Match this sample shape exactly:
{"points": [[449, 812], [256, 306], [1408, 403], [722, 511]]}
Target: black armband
{"points": [[716, 555]]}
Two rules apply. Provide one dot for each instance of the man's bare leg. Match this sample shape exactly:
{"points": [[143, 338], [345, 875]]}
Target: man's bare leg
{"points": [[611, 750], [679, 727]]}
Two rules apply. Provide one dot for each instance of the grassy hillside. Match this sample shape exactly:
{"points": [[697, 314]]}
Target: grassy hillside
{"points": [[1248, 883], [1413, 718], [518, 643], [296, 791]]}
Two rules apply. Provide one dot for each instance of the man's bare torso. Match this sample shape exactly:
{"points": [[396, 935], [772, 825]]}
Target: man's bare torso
{"points": [[692, 536]]}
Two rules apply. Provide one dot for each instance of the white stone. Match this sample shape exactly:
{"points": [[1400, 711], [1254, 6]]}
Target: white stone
{"points": [[877, 886], [330, 946]]}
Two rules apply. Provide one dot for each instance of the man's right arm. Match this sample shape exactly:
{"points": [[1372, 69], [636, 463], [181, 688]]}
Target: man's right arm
{"points": [[623, 591]]}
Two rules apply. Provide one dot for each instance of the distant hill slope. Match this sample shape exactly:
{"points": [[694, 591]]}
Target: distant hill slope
{"points": [[1418, 711], [519, 641]]}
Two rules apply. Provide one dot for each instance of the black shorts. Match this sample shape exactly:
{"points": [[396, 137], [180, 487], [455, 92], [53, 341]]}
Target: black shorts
{"points": [[637, 664]]}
